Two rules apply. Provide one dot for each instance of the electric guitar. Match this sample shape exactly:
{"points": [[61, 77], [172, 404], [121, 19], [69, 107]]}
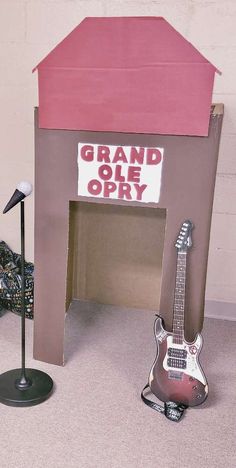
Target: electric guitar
{"points": [[176, 374]]}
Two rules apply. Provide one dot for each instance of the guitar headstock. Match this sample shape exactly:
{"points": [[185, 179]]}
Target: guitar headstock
{"points": [[184, 240]]}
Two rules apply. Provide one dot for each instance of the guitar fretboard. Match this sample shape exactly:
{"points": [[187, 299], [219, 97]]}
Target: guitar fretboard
{"points": [[179, 298]]}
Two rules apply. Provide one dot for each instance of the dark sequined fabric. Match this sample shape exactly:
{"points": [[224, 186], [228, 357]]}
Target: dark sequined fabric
{"points": [[10, 282]]}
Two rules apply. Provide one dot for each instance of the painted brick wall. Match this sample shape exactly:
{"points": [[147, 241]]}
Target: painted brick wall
{"points": [[29, 29]]}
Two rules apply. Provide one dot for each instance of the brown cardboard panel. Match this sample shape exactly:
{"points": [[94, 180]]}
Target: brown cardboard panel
{"points": [[118, 254], [187, 190], [70, 265]]}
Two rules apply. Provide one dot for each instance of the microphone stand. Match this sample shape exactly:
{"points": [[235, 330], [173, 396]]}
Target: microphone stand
{"points": [[24, 387]]}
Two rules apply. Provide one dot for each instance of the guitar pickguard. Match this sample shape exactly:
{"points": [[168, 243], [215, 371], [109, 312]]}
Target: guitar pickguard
{"points": [[189, 363]]}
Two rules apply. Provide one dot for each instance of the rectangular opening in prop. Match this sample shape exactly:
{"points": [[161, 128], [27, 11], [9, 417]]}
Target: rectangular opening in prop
{"points": [[115, 254]]}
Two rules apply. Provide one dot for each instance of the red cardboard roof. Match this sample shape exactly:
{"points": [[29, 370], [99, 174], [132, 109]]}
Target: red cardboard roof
{"points": [[122, 42], [126, 74]]}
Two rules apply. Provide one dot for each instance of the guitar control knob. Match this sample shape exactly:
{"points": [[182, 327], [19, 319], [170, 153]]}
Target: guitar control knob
{"points": [[198, 396], [195, 387]]}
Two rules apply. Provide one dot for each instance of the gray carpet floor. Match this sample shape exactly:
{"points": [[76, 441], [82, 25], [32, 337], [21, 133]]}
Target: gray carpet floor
{"points": [[95, 418]]}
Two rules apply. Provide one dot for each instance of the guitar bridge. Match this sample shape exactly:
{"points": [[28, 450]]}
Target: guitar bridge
{"points": [[175, 375]]}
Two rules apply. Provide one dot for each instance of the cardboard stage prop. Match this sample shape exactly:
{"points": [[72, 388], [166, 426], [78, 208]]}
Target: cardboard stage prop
{"points": [[137, 160]]}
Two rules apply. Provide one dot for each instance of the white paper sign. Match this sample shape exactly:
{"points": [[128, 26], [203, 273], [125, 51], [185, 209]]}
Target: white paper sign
{"points": [[120, 172]]}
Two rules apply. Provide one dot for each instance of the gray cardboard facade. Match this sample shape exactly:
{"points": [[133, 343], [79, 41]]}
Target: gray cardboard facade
{"points": [[114, 251]]}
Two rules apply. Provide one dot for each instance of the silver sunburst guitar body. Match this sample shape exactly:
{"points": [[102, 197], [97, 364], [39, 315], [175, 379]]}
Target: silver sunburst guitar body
{"points": [[176, 374]]}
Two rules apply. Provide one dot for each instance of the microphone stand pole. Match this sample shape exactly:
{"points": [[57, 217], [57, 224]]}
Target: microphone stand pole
{"points": [[23, 382]]}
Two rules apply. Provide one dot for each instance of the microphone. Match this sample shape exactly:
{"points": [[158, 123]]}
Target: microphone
{"points": [[23, 189]]}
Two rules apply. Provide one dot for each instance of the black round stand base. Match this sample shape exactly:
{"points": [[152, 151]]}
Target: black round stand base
{"points": [[38, 392]]}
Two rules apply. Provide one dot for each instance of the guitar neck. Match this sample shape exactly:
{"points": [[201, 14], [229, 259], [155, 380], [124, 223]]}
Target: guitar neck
{"points": [[179, 298]]}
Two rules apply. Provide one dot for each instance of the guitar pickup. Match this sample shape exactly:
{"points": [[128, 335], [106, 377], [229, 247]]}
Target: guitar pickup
{"points": [[177, 353], [176, 363]]}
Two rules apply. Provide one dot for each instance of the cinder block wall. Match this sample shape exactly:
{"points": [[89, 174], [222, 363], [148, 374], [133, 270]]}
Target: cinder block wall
{"points": [[29, 29]]}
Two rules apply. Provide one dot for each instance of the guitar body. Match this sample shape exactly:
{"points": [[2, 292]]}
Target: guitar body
{"points": [[176, 374]]}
